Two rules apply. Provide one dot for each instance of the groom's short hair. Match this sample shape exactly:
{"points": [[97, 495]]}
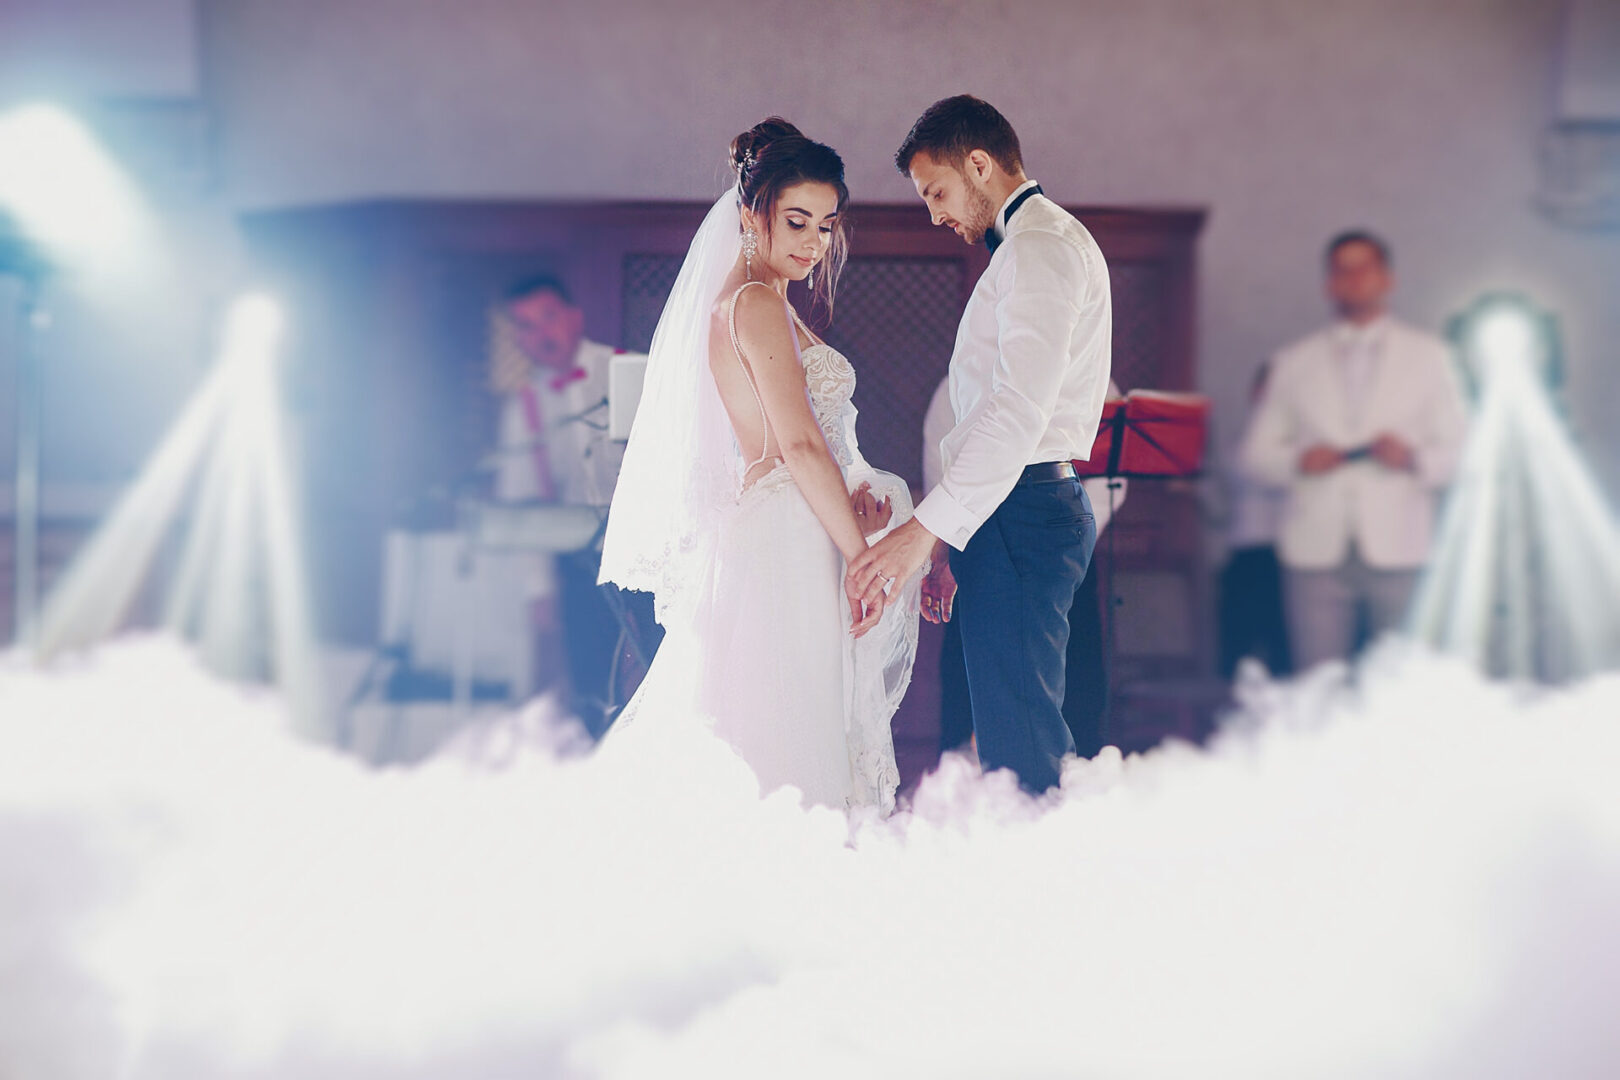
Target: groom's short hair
{"points": [[952, 128]]}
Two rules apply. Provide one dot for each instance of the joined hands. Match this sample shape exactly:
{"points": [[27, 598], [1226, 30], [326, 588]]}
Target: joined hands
{"points": [[1390, 451], [891, 560]]}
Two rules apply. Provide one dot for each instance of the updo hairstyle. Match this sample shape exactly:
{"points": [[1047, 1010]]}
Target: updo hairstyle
{"points": [[772, 156]]}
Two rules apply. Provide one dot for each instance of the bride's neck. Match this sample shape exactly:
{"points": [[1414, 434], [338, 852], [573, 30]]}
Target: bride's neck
{"points": [[777, 282]]}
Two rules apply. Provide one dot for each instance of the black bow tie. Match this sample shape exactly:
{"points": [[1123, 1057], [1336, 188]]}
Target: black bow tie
{"points": [[991, 239]]}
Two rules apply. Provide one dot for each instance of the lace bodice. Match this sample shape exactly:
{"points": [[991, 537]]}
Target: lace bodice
{"points": [[831, 382]]}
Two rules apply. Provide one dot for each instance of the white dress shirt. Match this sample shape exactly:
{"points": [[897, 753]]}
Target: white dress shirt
{"points": [[583, 461], [1030, 368], [938, 421], [573, 426], [1358, 349]]}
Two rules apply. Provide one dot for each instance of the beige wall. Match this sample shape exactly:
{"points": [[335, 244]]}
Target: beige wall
{"points": [[1286, 118]]}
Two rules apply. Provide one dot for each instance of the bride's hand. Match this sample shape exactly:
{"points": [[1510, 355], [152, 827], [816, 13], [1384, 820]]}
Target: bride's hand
{"points": [[864, 622], [870, 512]]}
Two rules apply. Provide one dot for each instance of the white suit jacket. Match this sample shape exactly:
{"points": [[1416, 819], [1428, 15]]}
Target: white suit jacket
{"points": [[1412, 392]]}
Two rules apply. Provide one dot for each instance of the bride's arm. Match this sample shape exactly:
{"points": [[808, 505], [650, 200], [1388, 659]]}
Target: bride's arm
{"points": [[766, 334]]}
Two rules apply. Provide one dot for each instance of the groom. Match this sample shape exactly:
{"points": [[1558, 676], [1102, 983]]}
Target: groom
{"points": [[1027, 382]]}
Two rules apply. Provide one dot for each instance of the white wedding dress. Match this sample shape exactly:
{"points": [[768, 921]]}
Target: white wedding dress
{"points": [[763, 657]]}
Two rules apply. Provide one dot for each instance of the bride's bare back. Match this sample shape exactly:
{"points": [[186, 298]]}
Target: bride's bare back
{"points": [[748, 378]]}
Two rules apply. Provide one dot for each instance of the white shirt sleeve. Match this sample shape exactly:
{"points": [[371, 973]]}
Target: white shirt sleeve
{"points": [[1040, 288], [1270, 451]]}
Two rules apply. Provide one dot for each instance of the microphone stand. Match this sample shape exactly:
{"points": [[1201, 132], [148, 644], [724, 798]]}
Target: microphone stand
{"points": [[583, 416], [1112, 601]]}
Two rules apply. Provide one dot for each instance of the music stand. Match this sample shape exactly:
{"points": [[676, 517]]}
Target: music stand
{"points": [[1146, 435]]}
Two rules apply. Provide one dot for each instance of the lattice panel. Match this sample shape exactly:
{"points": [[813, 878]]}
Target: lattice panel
{"points": [[896, 321], [648, 280], [1140, 333]]}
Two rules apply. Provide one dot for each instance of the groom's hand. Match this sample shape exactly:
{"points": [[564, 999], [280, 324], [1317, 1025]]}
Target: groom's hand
{"points": [[939, 588], [893, 559]]}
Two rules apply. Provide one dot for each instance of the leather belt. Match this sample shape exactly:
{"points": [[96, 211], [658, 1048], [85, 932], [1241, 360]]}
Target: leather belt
{"points": [[1047, 471]]}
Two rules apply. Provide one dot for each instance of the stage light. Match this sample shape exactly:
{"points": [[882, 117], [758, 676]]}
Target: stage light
{"points": [[1507, 333], [63, 190], [65, 206], [1506, 336], [1524, 579], [253, 325], [239, 588]]}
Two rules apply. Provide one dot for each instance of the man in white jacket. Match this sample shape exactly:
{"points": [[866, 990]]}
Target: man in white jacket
{"points": [[1363, 424]]}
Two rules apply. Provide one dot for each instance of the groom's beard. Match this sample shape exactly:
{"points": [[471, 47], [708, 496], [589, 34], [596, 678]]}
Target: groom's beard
{"points": [[982, 214]]}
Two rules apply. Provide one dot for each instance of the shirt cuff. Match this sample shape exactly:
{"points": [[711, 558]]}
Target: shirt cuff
{"points": [[946, 518]]}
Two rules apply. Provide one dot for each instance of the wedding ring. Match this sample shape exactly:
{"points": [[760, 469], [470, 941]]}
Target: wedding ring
{"points": [[887, 581]]}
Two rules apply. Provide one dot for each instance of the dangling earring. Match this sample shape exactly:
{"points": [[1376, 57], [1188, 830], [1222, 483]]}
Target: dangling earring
{"points": [[750, 249], [810, 279]]}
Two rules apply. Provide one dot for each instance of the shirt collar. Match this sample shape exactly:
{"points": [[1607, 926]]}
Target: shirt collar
{"points": [[1017, 198], [1346, 332]]}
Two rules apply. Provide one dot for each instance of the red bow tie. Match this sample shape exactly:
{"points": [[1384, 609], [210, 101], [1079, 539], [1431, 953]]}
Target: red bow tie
{"points": [[559, 383]]}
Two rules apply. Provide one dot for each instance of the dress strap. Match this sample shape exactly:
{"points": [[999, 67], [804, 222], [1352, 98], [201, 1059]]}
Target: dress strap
{"points": [[809, 333], [765, 424]]}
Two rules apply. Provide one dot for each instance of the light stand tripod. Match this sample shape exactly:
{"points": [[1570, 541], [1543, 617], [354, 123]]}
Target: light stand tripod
{"points": [[20, 260]]}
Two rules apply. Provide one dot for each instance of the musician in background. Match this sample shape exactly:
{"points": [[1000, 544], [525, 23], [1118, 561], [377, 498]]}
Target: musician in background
{"points": [[554, 448], [553, 381]]}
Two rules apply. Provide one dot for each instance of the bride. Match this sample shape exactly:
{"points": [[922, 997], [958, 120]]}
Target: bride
{"points": [[743, 494]]}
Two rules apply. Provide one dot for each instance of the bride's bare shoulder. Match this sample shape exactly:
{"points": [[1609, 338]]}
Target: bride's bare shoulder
{"points": [[762, 315], [759, 314]]}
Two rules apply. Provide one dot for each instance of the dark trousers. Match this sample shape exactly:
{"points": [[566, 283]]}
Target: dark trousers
{"points": [[1086, 698], [1016, 582], [1085, 693], [1251, 611]]}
